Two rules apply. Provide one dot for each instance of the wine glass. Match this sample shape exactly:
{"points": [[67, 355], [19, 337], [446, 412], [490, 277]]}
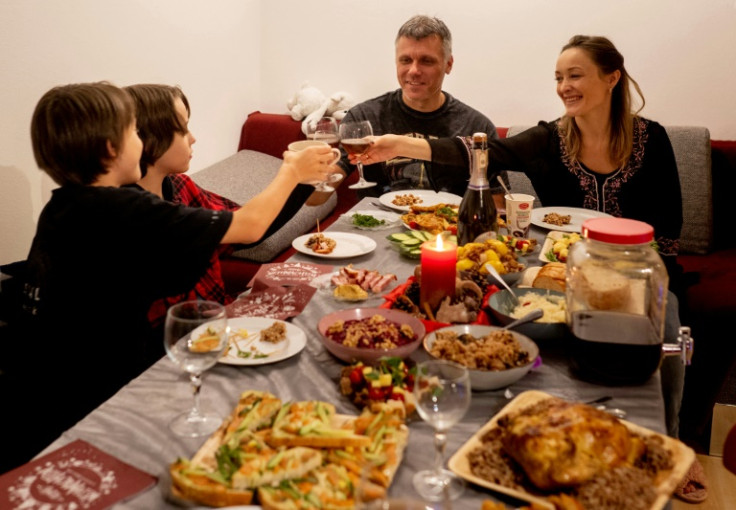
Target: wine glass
{"points": [[442, 390], [325, 130], [195, 336], [353, 140]]}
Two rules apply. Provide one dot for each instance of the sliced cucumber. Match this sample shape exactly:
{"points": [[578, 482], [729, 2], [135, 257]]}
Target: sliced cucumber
{"points": [[400, 238]]}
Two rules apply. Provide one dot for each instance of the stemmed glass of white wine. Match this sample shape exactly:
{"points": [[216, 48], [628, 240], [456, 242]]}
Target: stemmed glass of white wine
{"points": [[195, 336], [354, 139], [442, 390], [325, 130]]}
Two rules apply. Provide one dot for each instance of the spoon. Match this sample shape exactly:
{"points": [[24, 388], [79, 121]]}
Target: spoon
{"points": [[531, 316], [503, 185], [492, 271]]}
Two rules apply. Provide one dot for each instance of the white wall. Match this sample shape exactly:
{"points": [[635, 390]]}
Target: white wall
{"points": [[235, 56]]}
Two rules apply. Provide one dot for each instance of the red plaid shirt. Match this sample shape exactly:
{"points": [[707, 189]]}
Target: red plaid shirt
{"points": [[211, 286]]}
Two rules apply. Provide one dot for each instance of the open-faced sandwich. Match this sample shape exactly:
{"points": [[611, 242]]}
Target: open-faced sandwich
{"points": [[292, 455]]}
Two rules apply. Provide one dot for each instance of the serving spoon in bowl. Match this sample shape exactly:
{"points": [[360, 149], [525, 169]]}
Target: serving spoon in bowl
{"points": [[531, 316], [492, 271]]}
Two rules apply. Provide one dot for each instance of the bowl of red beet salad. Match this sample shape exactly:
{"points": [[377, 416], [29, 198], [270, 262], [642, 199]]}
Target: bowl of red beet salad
{"points": [[367, 334]]}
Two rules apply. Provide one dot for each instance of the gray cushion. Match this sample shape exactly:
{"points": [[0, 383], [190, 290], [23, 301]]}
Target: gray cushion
{"points": [[242, 176], [691, 146]]}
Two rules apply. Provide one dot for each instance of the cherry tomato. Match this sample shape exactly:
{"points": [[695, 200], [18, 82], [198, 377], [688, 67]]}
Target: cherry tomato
{"points": [[356, 376], [409, 381], [452, 229], [397, 396], [376, 394], [414, 224], [521, 244]]}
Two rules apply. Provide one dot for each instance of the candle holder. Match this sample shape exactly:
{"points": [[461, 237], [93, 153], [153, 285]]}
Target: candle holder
{"points": [[438, 263]]}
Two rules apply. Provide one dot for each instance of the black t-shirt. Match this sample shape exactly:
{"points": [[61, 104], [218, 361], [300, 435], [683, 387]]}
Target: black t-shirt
{"points": [[388, 114], [100, 256]]}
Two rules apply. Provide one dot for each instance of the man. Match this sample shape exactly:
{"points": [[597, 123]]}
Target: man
{"points": [[420, 108]]}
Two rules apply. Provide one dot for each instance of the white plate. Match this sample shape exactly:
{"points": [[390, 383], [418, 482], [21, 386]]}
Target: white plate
{"points": [[348, 245], [549, 241], [324, 284], [429, 197], [295, 341], [391, 219], [577, 217]]}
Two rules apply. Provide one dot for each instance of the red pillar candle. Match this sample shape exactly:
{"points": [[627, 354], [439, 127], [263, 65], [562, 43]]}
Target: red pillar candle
{"points": [[438, 272]]}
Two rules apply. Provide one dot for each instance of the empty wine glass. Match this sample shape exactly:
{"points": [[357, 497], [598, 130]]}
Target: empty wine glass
{"points": [[442, 390], [325, 130], [353, 138], [195, 336]]}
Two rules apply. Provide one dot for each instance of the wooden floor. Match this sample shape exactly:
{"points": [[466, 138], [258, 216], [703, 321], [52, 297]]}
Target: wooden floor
{"points": [[721, 487]]}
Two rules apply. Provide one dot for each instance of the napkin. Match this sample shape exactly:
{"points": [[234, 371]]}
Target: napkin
{"points": [[272, 302], [429, 325], [77, 475]]}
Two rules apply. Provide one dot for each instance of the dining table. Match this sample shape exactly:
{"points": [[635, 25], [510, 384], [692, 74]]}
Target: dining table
{"points": [[132, 424]]}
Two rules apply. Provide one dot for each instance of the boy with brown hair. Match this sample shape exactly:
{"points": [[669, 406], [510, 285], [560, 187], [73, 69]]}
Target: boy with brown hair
{"points": [[104, 252]]}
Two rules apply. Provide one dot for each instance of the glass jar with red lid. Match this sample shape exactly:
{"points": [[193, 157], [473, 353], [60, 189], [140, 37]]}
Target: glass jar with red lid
{"points": [[616, 298]]}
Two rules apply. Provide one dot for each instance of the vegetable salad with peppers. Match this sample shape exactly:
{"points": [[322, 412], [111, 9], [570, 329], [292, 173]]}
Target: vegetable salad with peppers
{"points": [[390, 379]]}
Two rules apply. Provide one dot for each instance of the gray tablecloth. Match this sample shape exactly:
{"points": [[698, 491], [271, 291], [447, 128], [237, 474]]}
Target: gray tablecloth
{"points": [[132, 425]]}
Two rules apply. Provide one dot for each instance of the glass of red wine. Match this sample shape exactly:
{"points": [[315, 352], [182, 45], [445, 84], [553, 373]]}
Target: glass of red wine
{"points": [[354, 139], [325, 130]]}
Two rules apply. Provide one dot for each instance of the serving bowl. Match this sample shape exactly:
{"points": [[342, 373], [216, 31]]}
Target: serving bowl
{"points": [[489, 379], [502, 305], [366, 354]]}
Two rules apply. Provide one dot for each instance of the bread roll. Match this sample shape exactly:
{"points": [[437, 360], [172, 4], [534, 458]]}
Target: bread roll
{"points": [[603, 288], [551, 276]]}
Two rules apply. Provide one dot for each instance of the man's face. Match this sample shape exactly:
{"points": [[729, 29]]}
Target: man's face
{"points": [[420, 69]]}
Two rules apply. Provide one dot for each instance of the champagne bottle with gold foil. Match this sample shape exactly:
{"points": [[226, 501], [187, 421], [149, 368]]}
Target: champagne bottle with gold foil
{"points": [[477, 213]]}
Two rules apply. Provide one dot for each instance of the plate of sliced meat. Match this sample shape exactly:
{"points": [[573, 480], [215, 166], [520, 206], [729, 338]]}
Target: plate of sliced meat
{"points": [[354, 284], [334, 245]]}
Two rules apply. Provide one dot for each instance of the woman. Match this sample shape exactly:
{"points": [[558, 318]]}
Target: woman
{"points": [[599, 155]]}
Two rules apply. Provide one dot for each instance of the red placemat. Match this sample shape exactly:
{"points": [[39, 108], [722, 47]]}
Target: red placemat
{"points": [[429, 325], [287, 273], [272, 302], [76, 476]]}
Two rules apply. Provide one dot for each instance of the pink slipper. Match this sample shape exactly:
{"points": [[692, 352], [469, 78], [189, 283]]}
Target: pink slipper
{"points": [[693, 488]]}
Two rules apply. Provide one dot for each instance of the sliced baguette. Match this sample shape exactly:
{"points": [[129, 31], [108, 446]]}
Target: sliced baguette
{"points": [[275, 466], [551, 276], [313, 423], [193, 484], [330, 487]]}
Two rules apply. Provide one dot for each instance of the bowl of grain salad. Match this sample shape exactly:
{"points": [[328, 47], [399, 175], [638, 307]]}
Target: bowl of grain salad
{"points": [[367, 334], [495, 357]]}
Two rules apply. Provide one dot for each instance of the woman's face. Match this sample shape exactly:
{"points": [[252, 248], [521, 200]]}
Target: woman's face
{"points": [[584, 90], [177, 157]]}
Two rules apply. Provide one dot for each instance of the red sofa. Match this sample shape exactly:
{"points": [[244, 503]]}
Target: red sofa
{"points": [[710, 297]]}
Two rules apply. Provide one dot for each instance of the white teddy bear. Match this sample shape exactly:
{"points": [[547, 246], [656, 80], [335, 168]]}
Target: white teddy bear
{"points": [[311, 105], [306, 100]]}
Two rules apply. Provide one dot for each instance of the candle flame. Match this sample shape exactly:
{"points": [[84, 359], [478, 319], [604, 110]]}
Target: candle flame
{"points": [[439, 242]]}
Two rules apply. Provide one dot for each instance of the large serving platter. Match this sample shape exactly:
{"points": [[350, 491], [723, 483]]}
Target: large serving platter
{"points": [[682, 456]]}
